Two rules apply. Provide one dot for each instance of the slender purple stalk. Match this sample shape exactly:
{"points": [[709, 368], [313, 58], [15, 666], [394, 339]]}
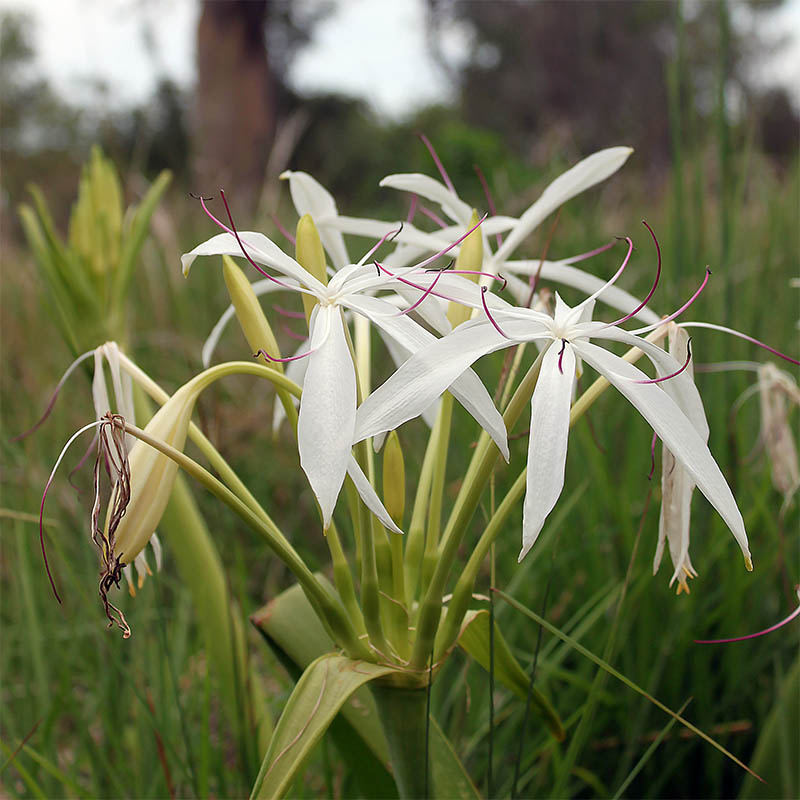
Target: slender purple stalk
{"points": [[262, 352], [432, 215], [677, 372], [652, 288], [561, 355], [286, 235], [284, 312], [489, 315], [412, 209], [744, 336], [771, 628], [436, 160], [489, 200], [54, 397], [424, 294]]}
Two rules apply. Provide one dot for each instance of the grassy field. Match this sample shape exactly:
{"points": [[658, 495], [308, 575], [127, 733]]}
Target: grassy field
{"points": [[86, 714]]}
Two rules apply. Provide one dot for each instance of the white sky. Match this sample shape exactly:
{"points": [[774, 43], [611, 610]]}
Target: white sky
{"points": [[374, 49]]}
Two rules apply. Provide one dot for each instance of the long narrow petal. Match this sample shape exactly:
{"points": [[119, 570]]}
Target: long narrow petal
{"points": [[547, 444], [311, 197], [369, 496], [681, 388], [463, 383], [675, 430], [327, 409], [431, 189], [260, 248], [424, 377], [582, 176]]}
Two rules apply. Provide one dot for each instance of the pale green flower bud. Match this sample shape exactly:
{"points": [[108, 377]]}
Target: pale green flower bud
{"points": [[152, 474], [470, 257], [311, 256], [394, 479], [255, 325]]}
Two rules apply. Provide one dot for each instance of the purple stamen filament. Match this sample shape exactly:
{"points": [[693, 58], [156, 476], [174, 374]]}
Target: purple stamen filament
{"points": [[286, 235], [484, 289], [561, 355], [771, 628], [741, 336], [232, 230], [652, 288], [292, 335], [652, 456], [262, 352], [592, 253], [412, 209], [428, 290], [677, 372], [387, 237], [432, 215], [284, 312], [489, 200], [424, 294], [437, 161]]}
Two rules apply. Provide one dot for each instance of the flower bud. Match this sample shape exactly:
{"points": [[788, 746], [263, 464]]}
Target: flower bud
{"points": [[470, 257], [311, 256], [152, 474], [251, 316], [394, 479]]}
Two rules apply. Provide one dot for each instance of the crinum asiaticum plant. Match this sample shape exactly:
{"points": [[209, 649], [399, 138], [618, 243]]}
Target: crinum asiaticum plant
{"points": [[393, 612]]}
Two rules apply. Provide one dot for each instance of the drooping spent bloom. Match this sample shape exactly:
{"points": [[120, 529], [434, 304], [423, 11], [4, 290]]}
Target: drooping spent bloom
{"points": [[326, 420], [568, 337], [677, 485]]}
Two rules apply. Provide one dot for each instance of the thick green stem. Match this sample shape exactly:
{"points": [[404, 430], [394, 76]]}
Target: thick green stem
{"points": [[403, 716], [415, 538], [480, 469], [328, 607], [443, 425]]}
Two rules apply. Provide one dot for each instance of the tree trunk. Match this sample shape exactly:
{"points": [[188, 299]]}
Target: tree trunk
{"points": [[234, 113]]}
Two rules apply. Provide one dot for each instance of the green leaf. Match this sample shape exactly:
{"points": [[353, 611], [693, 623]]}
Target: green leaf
{"points": [[319, 694], [775, 756], [620, 677], [474, 640]]}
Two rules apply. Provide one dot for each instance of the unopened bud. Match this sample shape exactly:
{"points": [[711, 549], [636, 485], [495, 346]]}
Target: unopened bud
{"points": [[255, 326], [470, 257], [394, 479], [311, 256], [152, 474]]}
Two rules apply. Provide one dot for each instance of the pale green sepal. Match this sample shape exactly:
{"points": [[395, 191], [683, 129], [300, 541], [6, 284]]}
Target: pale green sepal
{"points": [[474, 640], [319, 694]]}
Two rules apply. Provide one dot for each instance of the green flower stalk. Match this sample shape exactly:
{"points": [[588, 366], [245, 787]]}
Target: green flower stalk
{"points": [[89, 275]]}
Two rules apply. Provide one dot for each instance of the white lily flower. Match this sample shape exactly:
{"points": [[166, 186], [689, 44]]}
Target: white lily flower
{"points": [[430, 371], [326, 420], [585, 174]]}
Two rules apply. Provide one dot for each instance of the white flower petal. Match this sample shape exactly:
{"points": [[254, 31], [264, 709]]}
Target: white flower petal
{"points": [[674, 429], [582, 176], [547, 445], [466, 387], [428, 373], [327, 409], [369, 496], [431, 189], [311, 197], [260, 248], [681, 388]]}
